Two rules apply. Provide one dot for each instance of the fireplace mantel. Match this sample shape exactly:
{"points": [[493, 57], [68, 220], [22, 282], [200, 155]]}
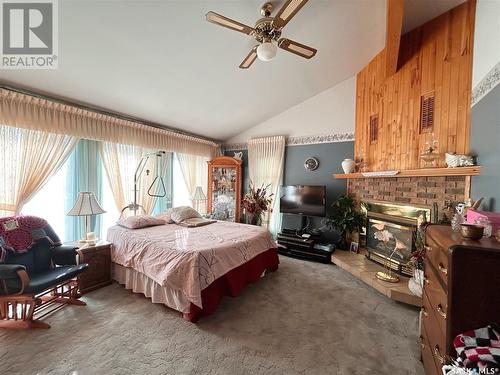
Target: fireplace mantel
{"points": [[423, 172]]}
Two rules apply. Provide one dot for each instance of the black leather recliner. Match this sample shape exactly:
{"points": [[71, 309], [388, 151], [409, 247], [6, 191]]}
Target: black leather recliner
{"points": [[28, 279]]}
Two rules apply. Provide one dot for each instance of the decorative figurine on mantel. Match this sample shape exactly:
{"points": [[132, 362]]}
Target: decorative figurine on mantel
{"points": [[361, 164], [430, 156], [453, 160]]}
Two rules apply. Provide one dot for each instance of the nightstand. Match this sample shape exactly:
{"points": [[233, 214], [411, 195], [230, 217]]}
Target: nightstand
{"points": [[98, 257]]}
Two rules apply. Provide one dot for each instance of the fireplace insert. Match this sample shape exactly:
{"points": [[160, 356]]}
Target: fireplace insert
{"points": [[391, 228]]}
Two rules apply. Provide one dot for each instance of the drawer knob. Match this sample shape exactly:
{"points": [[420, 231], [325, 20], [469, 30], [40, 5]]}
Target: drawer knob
{"points": [[424, 311], [442, 268], [426, 280], [440, 311], [421, 340], [438, 355], [427, 249]]}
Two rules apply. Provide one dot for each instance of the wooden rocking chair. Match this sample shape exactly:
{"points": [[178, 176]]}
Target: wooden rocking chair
{"points": [[36, 283]]}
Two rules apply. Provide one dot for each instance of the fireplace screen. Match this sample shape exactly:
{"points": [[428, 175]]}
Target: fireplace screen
{"points": [[390, 239], [390, 234]]}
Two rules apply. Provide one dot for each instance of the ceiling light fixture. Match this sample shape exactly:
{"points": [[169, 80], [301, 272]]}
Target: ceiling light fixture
{"points": [[266, 51], [267, 32]]}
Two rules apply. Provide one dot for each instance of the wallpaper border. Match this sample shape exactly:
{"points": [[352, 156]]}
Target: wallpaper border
{"points": [[487, 84], [297, 141]]}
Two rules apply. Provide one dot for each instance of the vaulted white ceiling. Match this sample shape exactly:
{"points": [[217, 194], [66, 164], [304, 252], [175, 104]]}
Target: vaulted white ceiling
{"points": [[162, 62]]}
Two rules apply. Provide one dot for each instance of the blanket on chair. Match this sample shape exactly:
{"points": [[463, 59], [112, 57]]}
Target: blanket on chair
{"points": [[19, 233]]}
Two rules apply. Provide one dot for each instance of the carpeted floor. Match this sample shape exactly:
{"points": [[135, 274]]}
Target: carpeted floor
{"points": [[307, 318]]}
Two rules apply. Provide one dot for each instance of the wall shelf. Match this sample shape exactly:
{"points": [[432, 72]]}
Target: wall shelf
{"points": [[423, 172]]}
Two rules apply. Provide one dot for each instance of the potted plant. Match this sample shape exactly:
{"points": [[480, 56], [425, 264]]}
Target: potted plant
{"points": [[344, 218], [255, 203]]}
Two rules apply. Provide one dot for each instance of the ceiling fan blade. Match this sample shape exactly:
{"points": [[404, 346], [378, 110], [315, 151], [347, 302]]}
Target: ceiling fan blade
{"points": [[247, 61], [229, 23], [287, 12], [296, 48]]}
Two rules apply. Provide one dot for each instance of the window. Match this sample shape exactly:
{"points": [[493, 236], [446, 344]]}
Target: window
{"points": [[180, 191], [112, 214], [48, 203]]}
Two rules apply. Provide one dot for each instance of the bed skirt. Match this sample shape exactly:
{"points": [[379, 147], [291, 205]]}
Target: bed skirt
{"points": [[228, 285], [140, 283]]}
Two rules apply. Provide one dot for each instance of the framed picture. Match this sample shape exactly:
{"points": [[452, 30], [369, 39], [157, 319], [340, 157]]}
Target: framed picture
{"points": [[354, 247]]}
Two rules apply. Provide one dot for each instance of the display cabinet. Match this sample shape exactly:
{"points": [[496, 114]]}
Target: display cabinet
{"points": [[224, 188]]}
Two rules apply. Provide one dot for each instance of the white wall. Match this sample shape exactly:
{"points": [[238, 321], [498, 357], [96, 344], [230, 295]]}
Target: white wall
{"points": [[329, 112], [486, 39]]}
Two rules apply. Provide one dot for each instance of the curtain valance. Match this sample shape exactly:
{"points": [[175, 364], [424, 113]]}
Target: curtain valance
{"points": [[30, 112]]}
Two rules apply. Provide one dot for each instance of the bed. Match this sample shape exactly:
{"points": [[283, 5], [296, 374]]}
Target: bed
{"points": [[191, 269]]}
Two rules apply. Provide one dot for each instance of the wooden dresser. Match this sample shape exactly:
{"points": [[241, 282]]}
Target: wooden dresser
{"points": [[461, 291]]}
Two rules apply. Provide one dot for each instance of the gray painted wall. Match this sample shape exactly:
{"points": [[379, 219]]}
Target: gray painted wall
{"points": [[330, 156], [485, 142]]}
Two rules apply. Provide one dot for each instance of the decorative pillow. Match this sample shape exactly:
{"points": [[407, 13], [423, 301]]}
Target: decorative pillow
{"points": [[182, 213], [140, 221], [166, 216], [195, 222]]}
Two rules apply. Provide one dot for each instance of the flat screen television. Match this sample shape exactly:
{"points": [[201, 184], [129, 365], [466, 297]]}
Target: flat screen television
{"points": [[303, 200]]}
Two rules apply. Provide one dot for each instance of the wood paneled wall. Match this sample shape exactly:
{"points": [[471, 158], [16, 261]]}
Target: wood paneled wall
{"points": [[434, 58]]}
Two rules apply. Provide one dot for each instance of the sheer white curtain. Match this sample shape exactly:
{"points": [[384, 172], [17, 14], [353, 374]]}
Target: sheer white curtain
{"points": [[28, 158], [195, 171], [266, 157], [120, 162]]}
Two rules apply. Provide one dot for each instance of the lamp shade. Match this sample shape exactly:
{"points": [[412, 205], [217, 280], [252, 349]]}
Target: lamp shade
{"points": [[86, 204], [266, 51], [198, 194]]}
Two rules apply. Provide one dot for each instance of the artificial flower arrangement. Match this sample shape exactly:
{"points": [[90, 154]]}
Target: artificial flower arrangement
{"points": [[418, 256], [256, 202]]}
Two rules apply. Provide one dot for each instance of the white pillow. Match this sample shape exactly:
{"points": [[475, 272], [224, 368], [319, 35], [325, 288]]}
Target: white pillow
{"points": [[140, 221], [182, 213], [166, 216]]}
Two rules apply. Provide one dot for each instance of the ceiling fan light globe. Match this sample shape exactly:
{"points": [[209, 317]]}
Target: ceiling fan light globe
{"points": [[266, 51]]}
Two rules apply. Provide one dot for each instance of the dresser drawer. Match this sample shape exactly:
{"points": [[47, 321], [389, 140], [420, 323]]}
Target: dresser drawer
{"points": [[437, 352], [431, 321], [439, 259], [427, 357], [437, 299]]}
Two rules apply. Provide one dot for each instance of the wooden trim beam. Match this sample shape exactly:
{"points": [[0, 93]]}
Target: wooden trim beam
{"points": [[424, 172], [394, 25]]}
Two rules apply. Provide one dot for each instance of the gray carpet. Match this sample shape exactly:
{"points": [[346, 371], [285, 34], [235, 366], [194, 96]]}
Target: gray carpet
{"points": [[307, 318]]}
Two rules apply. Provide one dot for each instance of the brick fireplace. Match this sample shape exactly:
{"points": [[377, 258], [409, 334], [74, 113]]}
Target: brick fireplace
{"points": [[418, 191], [392, 199]]}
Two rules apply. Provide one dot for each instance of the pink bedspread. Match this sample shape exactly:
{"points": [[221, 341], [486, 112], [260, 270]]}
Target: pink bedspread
{"points": [[188, 259]]}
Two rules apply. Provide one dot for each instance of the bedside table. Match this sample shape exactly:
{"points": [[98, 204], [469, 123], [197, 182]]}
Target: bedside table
{"points": [[98, 257]]}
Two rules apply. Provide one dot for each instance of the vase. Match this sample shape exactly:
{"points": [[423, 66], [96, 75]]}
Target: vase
{"points": [[348, 165], [416, 283], [253, 219]]}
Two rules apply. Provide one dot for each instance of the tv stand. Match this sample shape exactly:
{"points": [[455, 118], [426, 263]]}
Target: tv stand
{"points": [[290, 244]]}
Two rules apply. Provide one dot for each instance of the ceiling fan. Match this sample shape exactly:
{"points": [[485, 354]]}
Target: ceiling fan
{"points": [[266, 31]]}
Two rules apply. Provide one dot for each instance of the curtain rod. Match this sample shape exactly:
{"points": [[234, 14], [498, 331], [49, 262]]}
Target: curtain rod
{"points": [[106, 112]]}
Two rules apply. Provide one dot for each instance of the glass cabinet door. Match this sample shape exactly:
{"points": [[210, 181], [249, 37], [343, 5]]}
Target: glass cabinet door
{"points": [[224, 193], [224, 188]]}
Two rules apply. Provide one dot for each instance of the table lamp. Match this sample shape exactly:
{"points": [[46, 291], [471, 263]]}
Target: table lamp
{"points": [[198, 196], [86, 205]]}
